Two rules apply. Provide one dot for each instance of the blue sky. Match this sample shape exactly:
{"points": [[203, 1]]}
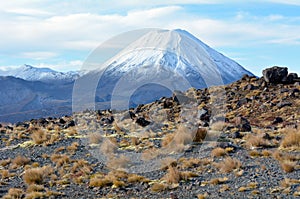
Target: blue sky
{"points": [[60, 34]]}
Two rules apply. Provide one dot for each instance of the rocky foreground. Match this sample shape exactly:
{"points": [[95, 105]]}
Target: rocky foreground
{"points": [[235, 141]]}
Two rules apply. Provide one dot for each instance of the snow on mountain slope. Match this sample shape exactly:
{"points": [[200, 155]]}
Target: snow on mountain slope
{"points": [[179, 50], [31, 73], [174, 59]]}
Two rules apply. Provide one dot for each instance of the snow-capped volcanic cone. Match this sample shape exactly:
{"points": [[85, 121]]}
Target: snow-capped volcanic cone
{"points": [[160, 62]]}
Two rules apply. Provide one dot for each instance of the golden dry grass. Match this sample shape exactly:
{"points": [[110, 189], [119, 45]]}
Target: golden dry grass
{"points": [[158, 187], [218, 126], [288, 166], [218, 152], [20, 161], [33, 176], [291, 138], [228, 164], [39, 136], [14, 193], [256, 141]]}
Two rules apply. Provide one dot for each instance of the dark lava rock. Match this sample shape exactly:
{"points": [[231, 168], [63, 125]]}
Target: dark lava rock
{"points": [[267, 136], [291, 78], [242, 102], [43, 121], [203, 115], [243, 124], [249, 87], [21, 124], [275, 74], [142, 122], [237, 135], [277, 120], [62, 121], [283, 104], [168, 103], [132, 115], [70, 124]]}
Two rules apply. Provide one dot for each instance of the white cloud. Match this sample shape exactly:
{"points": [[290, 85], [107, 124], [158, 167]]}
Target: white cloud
{"points": [[73, 65], [40, 34], [28, 11], [38, 55], [290, 2]]}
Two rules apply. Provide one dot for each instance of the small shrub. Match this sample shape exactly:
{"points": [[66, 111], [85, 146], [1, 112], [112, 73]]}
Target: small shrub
{"points": [[33, 176], [6, 162], [254, 153], [20, 161], [133, 178], [35, 188], [291, 138], [14, 193], [39, 136], [60, 159], [218, 152], [255, 141], [228, 165], [158, 187], [172, 176], [288, 166], [218, 126]]}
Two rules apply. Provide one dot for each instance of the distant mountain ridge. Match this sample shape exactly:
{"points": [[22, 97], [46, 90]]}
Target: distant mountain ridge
{"points": [[30, 73]]}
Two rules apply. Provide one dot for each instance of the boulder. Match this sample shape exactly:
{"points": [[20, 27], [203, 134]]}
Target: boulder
{"points": [[275, 74], [290, 79], [243, 124], [142, 122]]}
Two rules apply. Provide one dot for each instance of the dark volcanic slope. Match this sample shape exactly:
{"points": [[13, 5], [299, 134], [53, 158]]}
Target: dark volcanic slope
{"points": [[34, 99], [251, 148]]}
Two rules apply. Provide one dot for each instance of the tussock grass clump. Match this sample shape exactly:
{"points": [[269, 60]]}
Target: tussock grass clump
{"points": [[254, 153], [39, 136], [20, 161], [6, 162], [291, 138], [158, 187], [253, 141], [134, 178], [174, 176], [218, 152], [60, 159], [14, 193], [228, 165], [190, 162], [288, 166], [218, 126], [179, 140], [216, 181], [35, 188], [34, 176]]}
